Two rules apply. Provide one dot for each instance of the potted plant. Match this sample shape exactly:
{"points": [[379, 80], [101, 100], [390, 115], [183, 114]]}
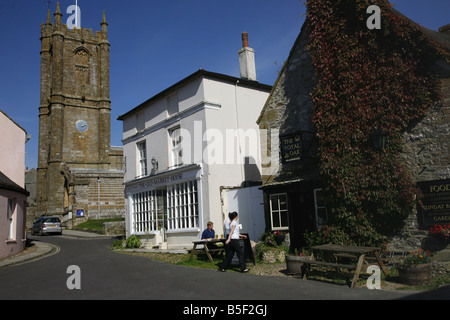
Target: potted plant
{"points": [[415, 269], [441, 232], [294, 262]]}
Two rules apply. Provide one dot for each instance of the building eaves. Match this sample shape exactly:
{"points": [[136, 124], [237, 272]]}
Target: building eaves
{"points": [[195, 75], [7, 184], [13, 121]]}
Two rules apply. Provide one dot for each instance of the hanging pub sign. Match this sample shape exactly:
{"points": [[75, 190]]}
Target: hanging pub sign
{"points": [[290, 147], [435, 204]]}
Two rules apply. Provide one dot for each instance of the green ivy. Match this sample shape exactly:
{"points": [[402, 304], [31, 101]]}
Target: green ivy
{"points": [[367, 80]]}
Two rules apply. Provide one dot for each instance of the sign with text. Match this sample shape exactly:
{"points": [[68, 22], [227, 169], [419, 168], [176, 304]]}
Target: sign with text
{"points": [[291, 147], [435, 204]]}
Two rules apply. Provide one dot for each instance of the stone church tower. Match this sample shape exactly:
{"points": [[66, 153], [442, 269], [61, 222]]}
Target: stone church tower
{"points": [[80, 175]]}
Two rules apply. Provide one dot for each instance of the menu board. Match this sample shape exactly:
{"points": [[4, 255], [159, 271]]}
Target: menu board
{"points": [[435, 204]]}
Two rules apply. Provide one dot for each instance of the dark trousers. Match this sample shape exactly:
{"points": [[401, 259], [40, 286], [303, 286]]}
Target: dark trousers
{"points": [[233, 247]]}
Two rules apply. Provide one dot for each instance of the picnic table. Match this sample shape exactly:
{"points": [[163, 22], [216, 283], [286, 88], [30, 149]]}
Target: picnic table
{"points": [[350, 252], [205, 248]]}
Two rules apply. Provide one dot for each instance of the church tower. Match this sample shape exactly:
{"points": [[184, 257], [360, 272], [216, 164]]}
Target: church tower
{"points": [[75, 156]]}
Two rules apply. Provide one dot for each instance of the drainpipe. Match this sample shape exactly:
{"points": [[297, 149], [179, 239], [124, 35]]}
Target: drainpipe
{"points": [[98, 200]]}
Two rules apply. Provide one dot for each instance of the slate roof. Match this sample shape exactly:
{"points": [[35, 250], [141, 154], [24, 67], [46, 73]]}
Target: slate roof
{"points": [[7, 184]]}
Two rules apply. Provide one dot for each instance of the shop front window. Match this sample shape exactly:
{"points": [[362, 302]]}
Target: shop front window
{"points": [[172, 208]]}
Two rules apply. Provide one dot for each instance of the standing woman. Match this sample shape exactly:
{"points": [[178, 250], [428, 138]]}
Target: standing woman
{"points": [[233, 246]]}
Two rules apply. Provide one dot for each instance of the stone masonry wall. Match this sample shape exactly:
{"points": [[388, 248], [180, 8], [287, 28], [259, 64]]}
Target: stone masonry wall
{"points": [[289, 109], [426, 156]]}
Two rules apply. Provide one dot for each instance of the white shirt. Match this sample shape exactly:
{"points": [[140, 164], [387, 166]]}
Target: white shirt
{"points": [[235, 234], [227, 226]]}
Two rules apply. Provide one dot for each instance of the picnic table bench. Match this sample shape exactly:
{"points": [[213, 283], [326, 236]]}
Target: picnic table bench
{"points": [[350, 252], [205, 249]]}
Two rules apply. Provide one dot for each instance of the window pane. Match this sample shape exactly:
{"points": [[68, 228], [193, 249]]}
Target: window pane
{"points": [[284, 219], [274, 201], [283, 202], [276, 220], [321, 216], [320, 199]]}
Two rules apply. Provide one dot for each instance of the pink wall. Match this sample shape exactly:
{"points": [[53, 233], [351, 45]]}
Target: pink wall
{"points": [[12, 150], [12, 165], [11, 246]]}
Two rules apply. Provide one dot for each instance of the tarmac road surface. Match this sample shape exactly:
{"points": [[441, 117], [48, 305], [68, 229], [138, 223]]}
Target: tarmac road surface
{"points": [[105, 274]]}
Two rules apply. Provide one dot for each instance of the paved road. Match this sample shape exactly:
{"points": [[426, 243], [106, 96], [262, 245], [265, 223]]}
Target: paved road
{"points": [[109, 275]]}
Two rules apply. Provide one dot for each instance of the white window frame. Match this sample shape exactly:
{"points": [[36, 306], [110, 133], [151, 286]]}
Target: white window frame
{"points": [[279, 211], [10, 215], [319, 221], [175, 146], [142, 158], [182, 204]]}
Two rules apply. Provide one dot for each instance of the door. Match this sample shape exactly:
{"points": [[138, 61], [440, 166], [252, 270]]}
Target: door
{"points": [[301, 217]]}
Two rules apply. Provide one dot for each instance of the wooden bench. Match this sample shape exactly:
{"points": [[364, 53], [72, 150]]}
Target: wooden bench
{"points": [[205, 249], [327, 264], [350, 252]]}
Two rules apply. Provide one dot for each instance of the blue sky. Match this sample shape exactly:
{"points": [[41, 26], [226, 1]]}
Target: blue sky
{"points": [[154, 44]]}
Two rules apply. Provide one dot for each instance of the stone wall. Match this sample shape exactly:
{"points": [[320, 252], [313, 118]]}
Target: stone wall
{"points": [[114, 228], [289, 110], [427, 142], [426, 156]]}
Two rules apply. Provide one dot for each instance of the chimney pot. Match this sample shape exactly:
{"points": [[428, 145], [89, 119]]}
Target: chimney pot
{"points": [[245, 40], [247, 60]]}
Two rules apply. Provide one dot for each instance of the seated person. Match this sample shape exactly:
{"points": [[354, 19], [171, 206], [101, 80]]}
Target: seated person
{"points": [[209, 233]]}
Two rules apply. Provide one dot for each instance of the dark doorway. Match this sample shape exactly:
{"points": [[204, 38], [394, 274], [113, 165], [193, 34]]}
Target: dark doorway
{"points": [[301, 217]]}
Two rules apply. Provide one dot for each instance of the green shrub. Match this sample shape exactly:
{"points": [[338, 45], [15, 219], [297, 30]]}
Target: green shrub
{"points": [[327, 234], [118, 244], [133, 242]]}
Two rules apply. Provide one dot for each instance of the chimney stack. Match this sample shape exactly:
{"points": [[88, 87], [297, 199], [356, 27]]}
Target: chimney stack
{"points": [[247, 60]]}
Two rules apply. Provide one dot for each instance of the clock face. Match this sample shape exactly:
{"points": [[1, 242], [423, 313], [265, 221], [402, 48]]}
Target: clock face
{"points": [[82, 125]]}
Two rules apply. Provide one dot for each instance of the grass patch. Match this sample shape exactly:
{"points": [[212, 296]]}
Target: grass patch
{"points": [[199, 262], [96, 224]]}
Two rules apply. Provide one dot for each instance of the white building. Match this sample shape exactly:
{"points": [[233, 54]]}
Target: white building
{"points": [[183, 146]]}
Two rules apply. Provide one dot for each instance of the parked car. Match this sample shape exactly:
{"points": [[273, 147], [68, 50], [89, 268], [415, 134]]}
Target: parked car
{"points": [[45, 225]]}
